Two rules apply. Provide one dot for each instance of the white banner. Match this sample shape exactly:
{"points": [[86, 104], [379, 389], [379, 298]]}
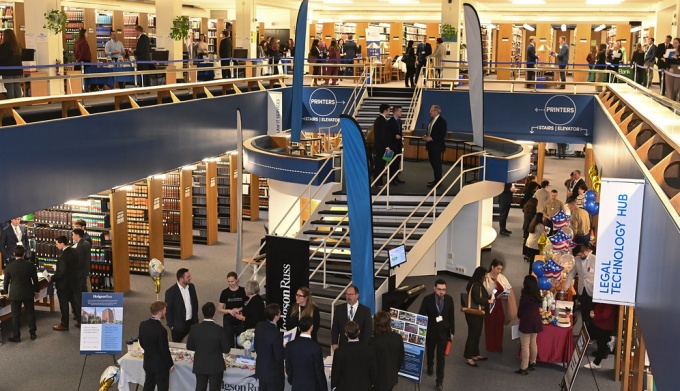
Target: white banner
{"points": [[618, 241], [274, 113]]}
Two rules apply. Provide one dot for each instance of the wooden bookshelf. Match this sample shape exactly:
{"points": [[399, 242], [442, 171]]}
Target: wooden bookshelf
{"points": [[186, 244], [119, 241], [251, 183], [155, 186], [211, 197]]}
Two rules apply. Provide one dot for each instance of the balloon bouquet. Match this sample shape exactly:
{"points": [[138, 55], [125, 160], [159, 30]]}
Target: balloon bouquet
{"points": [[156, 270], [109, 377]]}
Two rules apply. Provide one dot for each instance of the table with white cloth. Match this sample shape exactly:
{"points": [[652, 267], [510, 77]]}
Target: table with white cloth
{"points": [[238, 377]]}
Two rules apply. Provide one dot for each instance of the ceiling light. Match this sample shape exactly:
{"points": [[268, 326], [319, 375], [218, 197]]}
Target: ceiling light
{"points": [[564, 27], [599, 28], [528, 27], [78, 202], [636, 29], [528, 2], [603, 2]]}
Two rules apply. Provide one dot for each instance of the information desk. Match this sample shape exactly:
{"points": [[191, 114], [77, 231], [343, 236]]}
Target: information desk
{"points": [[108, 80], [45, 299], [182, 379]]}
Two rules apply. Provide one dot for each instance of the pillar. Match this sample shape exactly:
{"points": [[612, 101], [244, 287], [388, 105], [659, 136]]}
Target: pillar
{"points": [[292, 23], [582, 41], [48, 46], [166, 11], [451, 14], [246, 28]]}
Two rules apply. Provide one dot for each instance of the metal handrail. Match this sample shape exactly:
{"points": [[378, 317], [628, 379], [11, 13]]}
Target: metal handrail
{"points": [[415, 99]]}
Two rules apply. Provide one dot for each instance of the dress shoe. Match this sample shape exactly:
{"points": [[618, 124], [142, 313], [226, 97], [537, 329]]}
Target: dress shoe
{"points": [[14, 339], [532, 367], [430, 371], [399, 181], [60, 327], [522, 372], [78, 324], [34, 336], [505, 233], [440, 386]]}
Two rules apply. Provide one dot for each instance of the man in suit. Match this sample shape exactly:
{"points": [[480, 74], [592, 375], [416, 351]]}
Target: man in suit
{"points": [[434, 142], [354, 367], [83, 249], [584, 266], [438, 307], [82, 224], [381, 142], [650, 57], [423, 51], [562, 60], [14, 234], [66, 280], [182, 304], [396, 138], [269, 348], [351, 50], [209, 341], [532, 58], [143, 53], [661, 60], [153, 338], [352, 311], [226, 52], [304, 360], [577, 179], [21, 280]]}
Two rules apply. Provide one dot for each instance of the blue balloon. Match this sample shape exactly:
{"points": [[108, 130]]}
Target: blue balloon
{"points": [[591, 195], [596, 209], [544, 284], [537, 268], [589, 206]]}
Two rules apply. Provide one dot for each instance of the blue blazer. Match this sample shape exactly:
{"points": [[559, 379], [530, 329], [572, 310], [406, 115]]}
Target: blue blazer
{"points": [[304, 365], [269, 348]]}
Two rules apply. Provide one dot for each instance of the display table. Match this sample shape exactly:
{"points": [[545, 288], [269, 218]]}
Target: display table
{"points": [[108, 80], [45, 299], [555, 344]]}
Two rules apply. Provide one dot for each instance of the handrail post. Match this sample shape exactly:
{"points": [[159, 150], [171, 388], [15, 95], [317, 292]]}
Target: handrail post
{"points": [[387, 184]]}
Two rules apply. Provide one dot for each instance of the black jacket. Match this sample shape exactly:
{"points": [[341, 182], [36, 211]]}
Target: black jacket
{"points": [[66, 276], [21, 279], [9, 59], [269, 348], [304, 365], [354, 367], [153, 338], [389, 356], [429, 309], [208, 340], [293, 320], [382, 138], [176, 314], [362, 317], [253, 311]]}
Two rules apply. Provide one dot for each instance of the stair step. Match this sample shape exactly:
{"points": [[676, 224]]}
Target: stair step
{"points": [[346, 245], [339, 267], [393, 203], [314, 233], [340, 281], [376, 224], [376, 213]]}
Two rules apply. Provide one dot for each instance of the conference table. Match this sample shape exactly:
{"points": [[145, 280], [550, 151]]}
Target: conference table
{"points": [[45, 299], [556, 344], [108, 80]]}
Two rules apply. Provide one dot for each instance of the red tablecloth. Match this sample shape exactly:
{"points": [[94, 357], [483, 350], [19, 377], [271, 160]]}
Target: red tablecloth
{"points": [[555, 344]]}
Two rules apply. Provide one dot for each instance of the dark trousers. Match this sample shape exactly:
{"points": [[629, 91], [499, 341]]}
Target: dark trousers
{"points": [[561, 150], [530, 74], [410, 75], [16, 316], [275, 64], [531, 254], [475, 324], [602, 337], [214, 379], [65, 297], [233, 329], [270, 386], [504, 202], [418, 69], [78, 299], [437, 342], [435, 156], [157, 379], [586, 303], [178, 335], [379, 166], [563, 75], [226, 73]]}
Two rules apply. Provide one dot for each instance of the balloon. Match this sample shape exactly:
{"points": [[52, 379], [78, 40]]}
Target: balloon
{"points": [[591, 195], [544, 284], [568, 231], [548, 249], [589, 206], [109, 377], [156, 270], [566, 261], [537, 268], [593, 171], [596, 209], [597, 184]]}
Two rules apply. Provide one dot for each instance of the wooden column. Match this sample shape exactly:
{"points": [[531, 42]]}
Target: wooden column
{"points": [[540, 164], [543, 35], [118, 24], [623, 34], [254, 197], [582, 41], [360, 37], [186, 243], [155, 203], [504, 50], [233, 192], [396, 39], [211, 200], [119, 242], [90, 22], [20, 24], [328, 33]]}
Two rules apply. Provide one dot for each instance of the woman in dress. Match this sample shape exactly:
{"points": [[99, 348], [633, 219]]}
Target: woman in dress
{"points": [[601, 65], [536, 229], [478, 297], [314, 55], [437, 58], [389, 352], [232, 300], [10, 55], [341, 47], [253, 308], [637, 60], [495, 284], [201, 47], [529, 323], [333, 58], [304, 306], [529, 210]]}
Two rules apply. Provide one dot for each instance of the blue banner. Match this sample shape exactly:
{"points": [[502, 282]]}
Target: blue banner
{"points": [[298, 72], [321, 108], [101, 323], [359, 210], [536, 117]]}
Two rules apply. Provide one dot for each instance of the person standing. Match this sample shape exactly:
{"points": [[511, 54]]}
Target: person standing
{"points": [[334, 59], [562, 60], [82, 224], [10, 56], [143, 53], [304, 306], [352, 311], [354, 365], [529, 210], [673, 67], [650, 55], [66, 281], [21, 280], [423, 52], [602, 324], [601, 65], [396, 144], [438, 307], [304, 360], [274, 55], [351, 50], [434, 142], [579, 222], [661, 61], [182, 304], [637, 60], [381, 143], [14, 235], [81, 50], [437, 60], [496, 284], [576, 180], [614, 58], [542, 195], [226, 53], [532, 58], [83, 249], [114, 48], [209, 342], [478, 299], [552, 206], [153, 338], [232, 300], [536, 229], [530, 323], [584, 267], [314, 55], [389, 352], [253, 308], [269, 348], [410, 61], [504, 203]]}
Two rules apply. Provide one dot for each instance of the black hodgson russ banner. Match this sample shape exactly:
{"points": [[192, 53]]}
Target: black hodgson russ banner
{"points": [[287, 270]]}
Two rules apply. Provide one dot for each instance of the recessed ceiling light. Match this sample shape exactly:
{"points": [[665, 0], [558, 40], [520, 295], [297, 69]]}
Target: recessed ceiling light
{"points": [[528, 2]]}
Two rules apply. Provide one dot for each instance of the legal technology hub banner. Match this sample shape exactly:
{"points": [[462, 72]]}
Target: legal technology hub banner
{"points": [[101, 330], [618, 241]]}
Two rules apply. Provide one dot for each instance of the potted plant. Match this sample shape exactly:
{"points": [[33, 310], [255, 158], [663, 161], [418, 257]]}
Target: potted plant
{"points": [[449, 33], [181, 31], [55, 21]]}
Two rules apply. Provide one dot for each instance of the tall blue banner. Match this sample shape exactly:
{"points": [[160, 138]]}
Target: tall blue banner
{"points": [[298, 73], [359, 209]]}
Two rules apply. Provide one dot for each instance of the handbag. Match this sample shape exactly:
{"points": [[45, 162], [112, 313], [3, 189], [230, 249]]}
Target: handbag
{"points": [[465, 305]]}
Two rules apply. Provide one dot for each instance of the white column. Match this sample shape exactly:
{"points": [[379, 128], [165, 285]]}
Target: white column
{"points": [[48, 46], [166, 11], [246, 27], [451, 10], [293, 21]]}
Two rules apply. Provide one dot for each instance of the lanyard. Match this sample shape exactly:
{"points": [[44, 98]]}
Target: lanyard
{"points": [[436, 301]]}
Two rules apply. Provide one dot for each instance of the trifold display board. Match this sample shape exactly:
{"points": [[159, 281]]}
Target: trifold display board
{"points": [[413, 330]]}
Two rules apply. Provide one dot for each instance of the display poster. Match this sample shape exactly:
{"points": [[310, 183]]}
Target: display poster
{"points": [[618, 241], [373, 42], [274, 112], [101, 329], [321, 108], [575, 361], [413, 330]]}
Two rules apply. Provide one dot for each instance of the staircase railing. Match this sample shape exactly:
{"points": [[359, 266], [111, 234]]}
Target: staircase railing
{"points": [[415, 107]]}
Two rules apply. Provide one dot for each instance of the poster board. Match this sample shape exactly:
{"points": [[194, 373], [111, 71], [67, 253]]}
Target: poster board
{"points": [[412, 328], [575, 361], [101, 329]]}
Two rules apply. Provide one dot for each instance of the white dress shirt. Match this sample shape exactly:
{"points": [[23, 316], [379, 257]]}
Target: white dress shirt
{"points": [[187, 299]]}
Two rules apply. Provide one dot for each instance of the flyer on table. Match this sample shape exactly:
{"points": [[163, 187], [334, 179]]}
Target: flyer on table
{"points": [[101, 330]]}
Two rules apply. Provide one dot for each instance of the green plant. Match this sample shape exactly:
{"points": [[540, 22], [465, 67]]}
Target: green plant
{"points": [[180, 28], [449, 32], [55, 21]]}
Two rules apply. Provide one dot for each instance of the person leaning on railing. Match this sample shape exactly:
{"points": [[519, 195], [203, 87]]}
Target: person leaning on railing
{"points": [[673, 68], [10, 55]]}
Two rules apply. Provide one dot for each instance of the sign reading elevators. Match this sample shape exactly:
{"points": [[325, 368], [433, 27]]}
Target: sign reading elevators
{"points": [[618, 241]]}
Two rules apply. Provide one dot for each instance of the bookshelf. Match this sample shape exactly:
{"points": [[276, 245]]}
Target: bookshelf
{"points": [[103, 29], [211, 36], [137, 205], [487, 47], [263, 194], [7, 16], [251, 184], [223, 204], [151, 30], [119, 241], [195, 24], [75, 22], [205, 203], [176, 188], [130, 21]]}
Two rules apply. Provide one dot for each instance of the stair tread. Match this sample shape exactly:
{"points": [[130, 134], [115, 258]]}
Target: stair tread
{"points": [[376, 224]]}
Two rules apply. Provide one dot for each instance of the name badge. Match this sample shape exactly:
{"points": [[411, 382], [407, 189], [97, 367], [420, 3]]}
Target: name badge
{"points": [[439, 319]]}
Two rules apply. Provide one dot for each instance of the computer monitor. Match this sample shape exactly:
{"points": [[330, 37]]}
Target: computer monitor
{"points": [[27, 54], [240, 53], [160, 55], [397, 256]]}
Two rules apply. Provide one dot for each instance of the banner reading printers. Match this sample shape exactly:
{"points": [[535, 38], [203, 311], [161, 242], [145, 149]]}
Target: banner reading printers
{"points": [[618, 241]]}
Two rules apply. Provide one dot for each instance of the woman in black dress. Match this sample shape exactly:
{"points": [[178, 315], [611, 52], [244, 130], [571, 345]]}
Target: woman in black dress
{"points": [[410, 61], [253, 308]]}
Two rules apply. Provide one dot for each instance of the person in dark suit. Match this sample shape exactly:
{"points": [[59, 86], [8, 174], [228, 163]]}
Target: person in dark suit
{"points": [[21, 280], [153, 338], [562, 60], [269, 348], [434, 142], [253, 309], [226, 52], [209, 342], [661, 61], [182, 304], [381, 143], [423, 51], [82, 224], [354, 367], [438, 307], [83, 249], [389, 352], [532, 58], [352, 311], [66, 281], [143, 53], [12, 235], [304, 360], [396, 134]]}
